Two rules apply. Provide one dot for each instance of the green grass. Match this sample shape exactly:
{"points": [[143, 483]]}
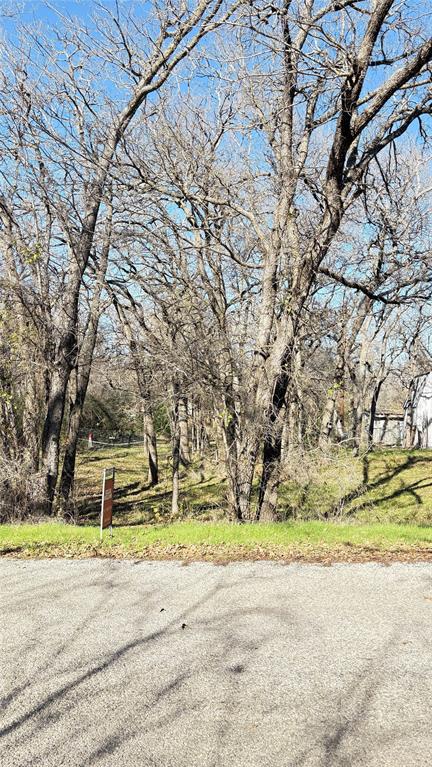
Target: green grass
{"points": [[398, 487], [384, 486], [338, 509], [202, 487], [219, 541]]}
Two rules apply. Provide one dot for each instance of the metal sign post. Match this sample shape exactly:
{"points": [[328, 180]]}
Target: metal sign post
{"points": [[107, 499]]}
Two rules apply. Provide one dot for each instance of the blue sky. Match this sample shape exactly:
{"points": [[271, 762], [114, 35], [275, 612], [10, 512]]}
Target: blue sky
{"points": [[31, 11], [37, 9], [15, 13]]}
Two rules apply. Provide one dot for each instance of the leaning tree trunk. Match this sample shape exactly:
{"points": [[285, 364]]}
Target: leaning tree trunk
{"points": [[67, 347], [75, 413], [83, 369]]}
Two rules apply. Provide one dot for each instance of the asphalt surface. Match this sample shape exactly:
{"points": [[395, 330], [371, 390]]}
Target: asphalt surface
{"points": [[248, 665]]}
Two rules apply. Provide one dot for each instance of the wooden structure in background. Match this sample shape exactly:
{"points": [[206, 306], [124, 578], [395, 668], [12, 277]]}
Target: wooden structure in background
{"points": [[388, 429]]}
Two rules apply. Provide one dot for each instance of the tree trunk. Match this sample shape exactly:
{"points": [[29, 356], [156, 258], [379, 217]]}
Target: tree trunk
{"points": [[240, 459], [51, 435], [270, 478], [272, 442], [231, 463], [75, 415], [31, 431], [230, 438], [183, 430], [241, 472], [69, 460], [83, 370], [150, 446], [360, 379], [373, 409], [328, 418], [175, 446]]}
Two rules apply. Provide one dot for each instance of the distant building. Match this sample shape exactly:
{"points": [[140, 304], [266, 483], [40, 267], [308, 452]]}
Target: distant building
{"points": [[388, 429], [417, 425]]}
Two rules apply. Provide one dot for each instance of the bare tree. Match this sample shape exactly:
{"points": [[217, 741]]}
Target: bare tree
{"points": [[61, 135], [327, 55]]}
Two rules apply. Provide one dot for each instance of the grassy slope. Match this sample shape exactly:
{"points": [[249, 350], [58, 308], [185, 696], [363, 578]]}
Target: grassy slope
{"points": [[386, 486], [202, 491], [367, 499]]}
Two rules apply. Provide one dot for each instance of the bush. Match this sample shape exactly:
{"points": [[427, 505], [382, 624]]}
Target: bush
{"points": [[22, 493]]}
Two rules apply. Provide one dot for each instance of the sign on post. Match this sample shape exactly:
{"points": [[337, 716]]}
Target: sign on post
{"points": [[107, 500]]}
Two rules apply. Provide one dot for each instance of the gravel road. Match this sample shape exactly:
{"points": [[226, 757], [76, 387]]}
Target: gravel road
{"points": [[119, 664]]}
